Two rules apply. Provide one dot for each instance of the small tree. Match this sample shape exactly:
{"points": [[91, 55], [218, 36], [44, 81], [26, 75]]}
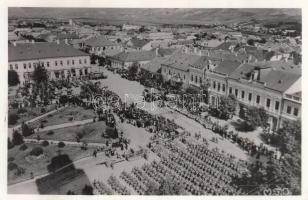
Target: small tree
{"points": [[133, 70], [61, 144], [36, 151], [12, 119], [256, 117], [45, 143], [26, 130], [17, 138], [87, 190], [13, 78]]}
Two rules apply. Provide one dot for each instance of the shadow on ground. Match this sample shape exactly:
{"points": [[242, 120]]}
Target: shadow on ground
{"points": [[64, 178]]}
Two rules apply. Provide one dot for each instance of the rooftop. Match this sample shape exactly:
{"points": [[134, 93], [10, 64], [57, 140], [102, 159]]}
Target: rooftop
{"points": [[135, 56], [100, 41], [33, 51]]}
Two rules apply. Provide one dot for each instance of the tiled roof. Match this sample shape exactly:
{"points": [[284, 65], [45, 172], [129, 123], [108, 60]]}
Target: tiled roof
{"points": [[274, 75], [138, 43], [165, 51], [154, 65], [227, 67], [183, 61], [100, 41], [32, 51], [135, 56]]}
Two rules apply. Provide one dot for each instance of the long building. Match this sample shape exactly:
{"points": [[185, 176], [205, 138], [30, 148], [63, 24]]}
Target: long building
{"points": [[60, 60], [273, 85]]}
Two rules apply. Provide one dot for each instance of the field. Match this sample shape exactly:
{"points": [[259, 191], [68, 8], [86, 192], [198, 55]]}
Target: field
{"points": [[68, 114], [90, 133], [39, 166], [30, 113]]}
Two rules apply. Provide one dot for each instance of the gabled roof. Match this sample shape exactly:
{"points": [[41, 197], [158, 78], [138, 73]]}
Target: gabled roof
{"points": [[33, 51], [138, 43], [227, 67], [272, 75], [182, 61], [99, 41], [135, 56], [154, 65]]}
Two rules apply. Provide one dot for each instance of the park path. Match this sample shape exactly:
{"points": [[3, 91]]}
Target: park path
{"points": [[65, 125], [10, 130]]}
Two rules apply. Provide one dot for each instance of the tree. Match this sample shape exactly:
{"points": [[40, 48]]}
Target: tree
{"points": [[87, 190], [227, 106], [133, 70], [12, 119], [256, 117], [17, 138], [251, 42], [13, 78], [36, 151], [26, 130], [40, 75], [61, 144], [60, 161]]}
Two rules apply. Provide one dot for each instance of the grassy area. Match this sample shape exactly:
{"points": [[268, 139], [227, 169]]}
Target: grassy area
{"points": [[69, 114], [90, 133], [39, 166], [63, 181], [30, 113]]}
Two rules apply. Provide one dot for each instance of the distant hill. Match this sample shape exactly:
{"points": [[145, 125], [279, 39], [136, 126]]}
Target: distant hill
{"points": [[163, 15]]}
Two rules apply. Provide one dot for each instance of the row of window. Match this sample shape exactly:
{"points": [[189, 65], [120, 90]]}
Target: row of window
{"points": [[46, 64], [295, 110], [219, 86], [258, 98], [195, 79]]}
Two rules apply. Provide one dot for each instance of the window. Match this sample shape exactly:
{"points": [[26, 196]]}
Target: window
{"points": [[43, 64], [268, 103], [61, 62], [200, 80], [223, 87], [295, 111], [29, 65], [214, 84], [289, 109], [277, 105], [192, 78], [85, 61], [249, 97], [184, 77], [230, 90], [218, 87], [169, 72], [68, 62], [47, 64], [11, 67], [258, 99], [25, 66], [79, 61], [243, 94], [196, 79], [236, 92], [34, 65], [56, 63], [73, 62], [16, 66]]}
